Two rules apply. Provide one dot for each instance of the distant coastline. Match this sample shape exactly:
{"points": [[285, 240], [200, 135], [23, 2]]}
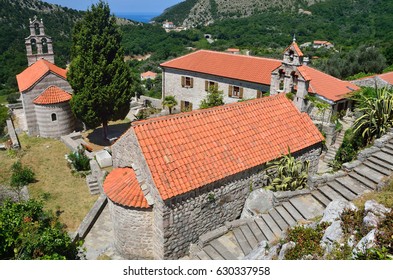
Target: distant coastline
{"points": [[141, 17]]}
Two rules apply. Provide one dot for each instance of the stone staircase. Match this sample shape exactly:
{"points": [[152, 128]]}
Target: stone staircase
{"points": [[92, 184], [237, 239]]}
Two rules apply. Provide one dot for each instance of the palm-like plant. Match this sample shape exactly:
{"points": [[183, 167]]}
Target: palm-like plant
{"points": [[287, 174], [377, 114], [170, 102]]}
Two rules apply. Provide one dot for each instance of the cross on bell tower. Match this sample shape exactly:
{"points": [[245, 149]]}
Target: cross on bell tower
{"points": [[38, 45]]}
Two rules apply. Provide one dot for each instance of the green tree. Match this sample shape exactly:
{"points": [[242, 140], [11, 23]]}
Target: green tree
{"points": [[3, 118], [170, 102], [377, 114], [28, 232], [214, 98], [21, 176], [99, 77]]}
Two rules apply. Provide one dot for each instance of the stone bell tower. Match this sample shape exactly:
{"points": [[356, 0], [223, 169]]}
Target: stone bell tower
{"points": [[38, 45]]}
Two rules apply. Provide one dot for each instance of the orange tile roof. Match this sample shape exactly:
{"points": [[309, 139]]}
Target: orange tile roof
{"points": [[325, 85], [297, 49], [52, 95], [189, 150], [388, 77], [148, 74], [239, 67], [36, 71], [122, 187]]}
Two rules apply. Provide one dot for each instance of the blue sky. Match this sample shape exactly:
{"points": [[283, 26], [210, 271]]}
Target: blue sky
{"points": [[121, 6]]}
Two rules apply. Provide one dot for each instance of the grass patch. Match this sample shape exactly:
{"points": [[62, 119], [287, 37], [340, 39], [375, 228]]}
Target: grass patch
{"points": [[62, 191], [3, 99]]}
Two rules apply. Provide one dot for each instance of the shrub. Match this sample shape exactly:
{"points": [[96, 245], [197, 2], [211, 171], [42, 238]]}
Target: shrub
{"points": [[79, 160], [214, 98], [349, 148], [21, 176], [3, 118]]}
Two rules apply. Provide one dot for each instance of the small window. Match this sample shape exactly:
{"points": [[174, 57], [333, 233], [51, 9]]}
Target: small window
{"points": [[210, 84], [281, 86], [235, 92], [261, 94], [185, 106], [54, 117], [187, 82]]}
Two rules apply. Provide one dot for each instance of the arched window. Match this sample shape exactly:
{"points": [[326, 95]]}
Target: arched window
{"points": [[33, 46], [54, 117], [44, 45], [291, 55], [37, 29]]}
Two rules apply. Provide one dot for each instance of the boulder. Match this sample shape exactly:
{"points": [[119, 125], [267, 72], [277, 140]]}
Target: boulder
{"points": [[365, 243], [375, 208], [258, 202], [371, 220], [261, 251], [334, 209], [285, 248], [334, 233], [273, 253]]}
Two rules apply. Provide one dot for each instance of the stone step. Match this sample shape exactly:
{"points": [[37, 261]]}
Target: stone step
{"points": [[271, 224], [285, 215], [387, 151], [389, 145], [383, 156], [230, 242], [212, 253], [242, 241], [352, 184], [369, 173], [251, 239], [343, 191], [292, 211], [202, 255], [330, 193], [377, 167], [270, 237], [362, 180], [308, 206], [258, 233], [321, 198], [222, 250], [386, 164], [278, 219]]}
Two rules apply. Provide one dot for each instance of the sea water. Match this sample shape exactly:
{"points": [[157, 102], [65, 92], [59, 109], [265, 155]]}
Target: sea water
{"points": [[140, 17]]}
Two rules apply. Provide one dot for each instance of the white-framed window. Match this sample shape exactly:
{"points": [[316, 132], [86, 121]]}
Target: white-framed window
{"points": [[235, 92]]}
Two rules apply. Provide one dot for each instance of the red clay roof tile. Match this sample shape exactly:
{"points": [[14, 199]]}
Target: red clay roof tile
{"points": [[325, 85], [235, 137], [36, 71], [52, 95], [122, 187], [240, 67], [388, 77]]}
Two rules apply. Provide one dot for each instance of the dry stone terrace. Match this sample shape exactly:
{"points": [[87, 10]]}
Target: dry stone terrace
{"points": [[237, 239]]}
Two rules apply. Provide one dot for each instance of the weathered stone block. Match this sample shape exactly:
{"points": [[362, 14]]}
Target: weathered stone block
{"points": [[104, 159]]}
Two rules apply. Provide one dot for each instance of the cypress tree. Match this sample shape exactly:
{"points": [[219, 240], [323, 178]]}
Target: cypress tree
{"points": [[98, 75]]}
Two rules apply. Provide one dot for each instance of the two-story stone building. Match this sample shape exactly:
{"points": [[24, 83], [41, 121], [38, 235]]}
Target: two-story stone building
{"points": [[179, 176]]}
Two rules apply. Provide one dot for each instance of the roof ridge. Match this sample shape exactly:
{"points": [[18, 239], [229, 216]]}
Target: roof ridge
{"points": [[204, 111]]}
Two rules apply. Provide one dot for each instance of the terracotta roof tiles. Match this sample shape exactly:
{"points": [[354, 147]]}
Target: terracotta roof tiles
{"points": [[36, 71], [122, 187], [52, 95], [388, 77], [189, 150], [240, 67]]}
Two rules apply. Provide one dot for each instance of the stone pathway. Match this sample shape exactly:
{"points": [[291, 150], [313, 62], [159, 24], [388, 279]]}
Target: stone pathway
{"points": [[237, 239]]}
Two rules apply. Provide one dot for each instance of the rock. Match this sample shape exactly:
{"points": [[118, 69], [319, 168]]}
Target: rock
{"points": [[273, 253], [334, 233], [334, 209], [258, 202], [351, 241], [104, 159], [365, 243], [375, 208], [258, 253], [285, 248], [371, 220]]}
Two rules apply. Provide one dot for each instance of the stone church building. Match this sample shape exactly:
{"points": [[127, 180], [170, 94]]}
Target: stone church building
{"points": [[45, 92], [176, 177], [244, 77]]}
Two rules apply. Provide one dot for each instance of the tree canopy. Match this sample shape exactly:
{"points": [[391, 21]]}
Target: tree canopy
{"points": [[98, 75], [214, 98]]}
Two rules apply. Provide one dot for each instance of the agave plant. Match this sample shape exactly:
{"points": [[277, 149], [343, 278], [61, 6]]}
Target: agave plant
{"points": [[287, 173], [377, 114]]}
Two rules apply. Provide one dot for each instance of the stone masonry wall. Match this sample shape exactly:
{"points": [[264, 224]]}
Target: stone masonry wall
{"points": [[197, 212], [172, 86], [133, 234], [64, 123], [28, 96]]}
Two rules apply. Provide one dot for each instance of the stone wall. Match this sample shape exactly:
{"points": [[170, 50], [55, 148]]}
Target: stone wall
{"points": [[64, 123], [172, 86], [133, 234], [372, 82], [28, 96]]}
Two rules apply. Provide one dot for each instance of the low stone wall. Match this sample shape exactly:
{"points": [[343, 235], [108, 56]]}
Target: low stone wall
{"points": [[133, 232], [14, 138], [156, 103]]}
